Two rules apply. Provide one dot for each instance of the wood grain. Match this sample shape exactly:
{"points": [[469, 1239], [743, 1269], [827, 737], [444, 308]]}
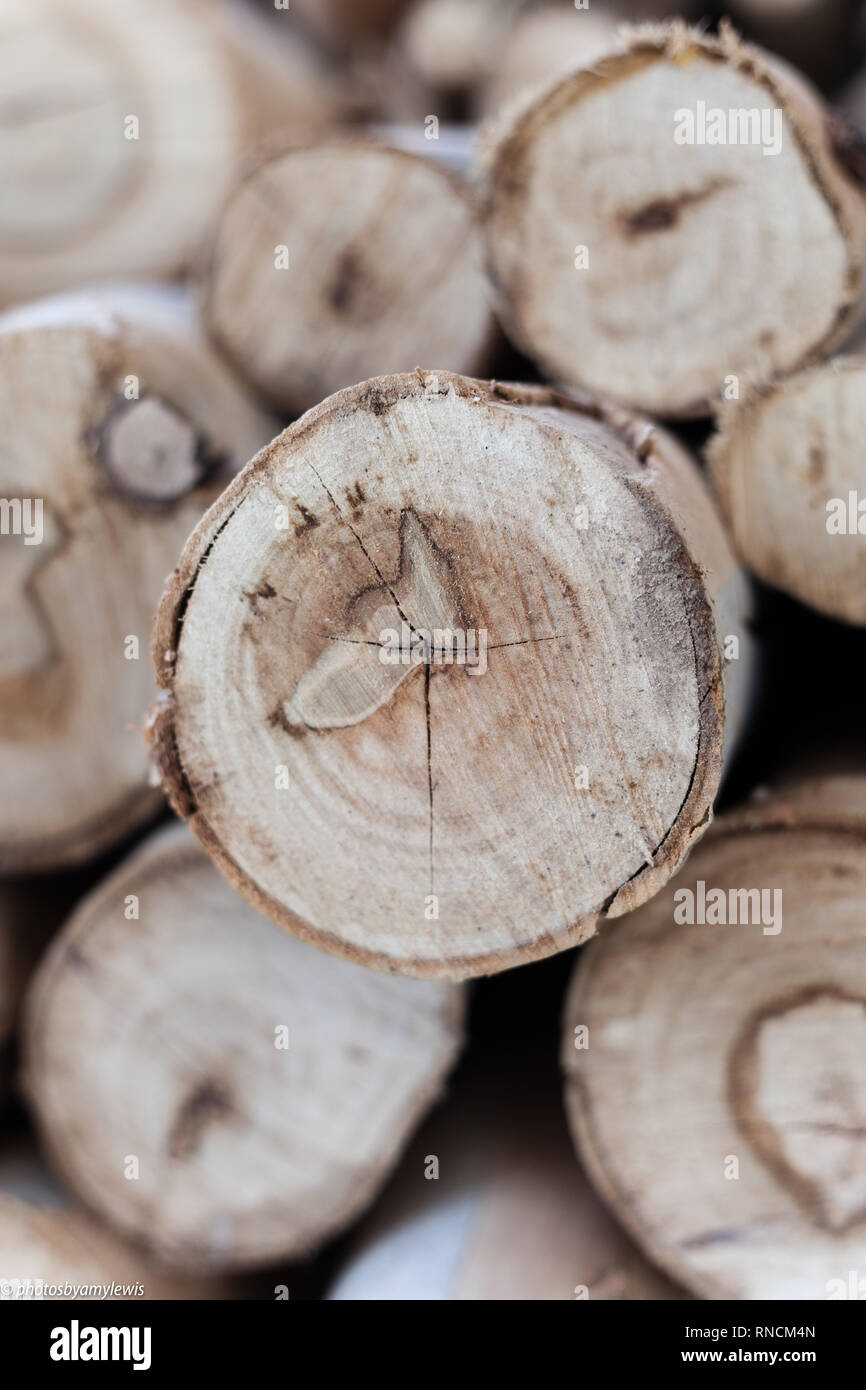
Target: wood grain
{"points": [[718, 1044], [47, 1239], [344, 260], [705, 261], [157, 1038], [121, 478], [438, 818], [785, 462], [89, 194]]}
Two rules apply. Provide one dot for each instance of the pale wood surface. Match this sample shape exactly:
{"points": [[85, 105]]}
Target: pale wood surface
{"points": [[156, 1038], [782, 453], [712, 1042], [43, 1236], [384, 271], [83, 201], [121, 482], [705, 260], [451, 504]]}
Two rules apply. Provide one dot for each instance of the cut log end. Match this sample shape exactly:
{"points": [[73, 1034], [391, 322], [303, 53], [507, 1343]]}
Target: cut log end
{"points": [[103, 479], [48, 1244], [731, 1013], [428, 716], [787, 469], [643, 272], [274, 1087], [381, 269]]}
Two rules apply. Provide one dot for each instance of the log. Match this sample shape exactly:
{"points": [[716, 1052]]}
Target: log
{"points": [[546, 42], [488, 52], [665, 266], [342, 260], [561, 750], [719, 1105], [46, 1240], [453, 46], [217, 1092], [786, 467], [122, 127], [120, 428], [489, 1205], [283, 87]]}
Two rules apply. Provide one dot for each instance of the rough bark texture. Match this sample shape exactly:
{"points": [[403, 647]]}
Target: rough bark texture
{"points": [[43, 1237], [120, 481], [86, 194], [654, 270], [339, 261], [438, 814], [786, 461], [505, 1214], [158, 1039], [719, 1045]]}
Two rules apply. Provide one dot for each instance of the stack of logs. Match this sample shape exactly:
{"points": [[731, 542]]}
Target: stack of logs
{"points": [[446, 672]]}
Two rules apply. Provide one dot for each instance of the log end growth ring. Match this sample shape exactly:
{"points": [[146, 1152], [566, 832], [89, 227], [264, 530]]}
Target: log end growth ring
{"points": [[416, 709]]}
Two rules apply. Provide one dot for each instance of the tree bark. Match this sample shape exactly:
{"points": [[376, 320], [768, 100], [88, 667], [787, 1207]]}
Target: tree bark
{"points": [[47, 1240], [122, 127], [343, 260], [666, 265], [442, 680], [720, 1104], [786, 466], [217, 1092], [119, 426]]}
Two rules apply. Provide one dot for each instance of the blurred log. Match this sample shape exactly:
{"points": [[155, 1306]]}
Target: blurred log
{"points": [[720, 1104], [48, 1242], [787, 469], [490, 51], [340, 261], [453, 46], [284, 88], [492, 1206], [118, 424], [219, 1093], [664, 266], [122, 126], [567, 588], [547, 41]]}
